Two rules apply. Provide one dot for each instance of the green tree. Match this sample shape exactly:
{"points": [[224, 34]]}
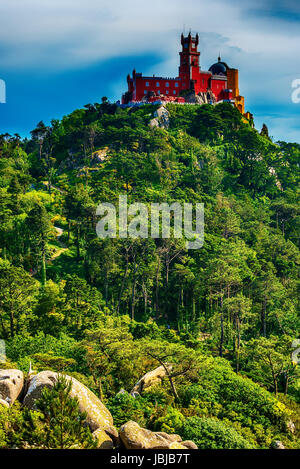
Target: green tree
{"points": [[268, 361], [39, 229], [80, 212], [18, 296], [176, 359]]}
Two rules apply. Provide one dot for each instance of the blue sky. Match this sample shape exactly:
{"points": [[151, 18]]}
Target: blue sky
{"points": [[57, 55]]}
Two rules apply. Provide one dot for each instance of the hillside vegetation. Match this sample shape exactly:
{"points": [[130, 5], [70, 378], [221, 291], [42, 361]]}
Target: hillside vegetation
{"points": [[107, 311]]}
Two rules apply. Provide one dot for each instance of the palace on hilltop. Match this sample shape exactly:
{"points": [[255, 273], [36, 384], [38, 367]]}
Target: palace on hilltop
{"points": [[193, 85]]}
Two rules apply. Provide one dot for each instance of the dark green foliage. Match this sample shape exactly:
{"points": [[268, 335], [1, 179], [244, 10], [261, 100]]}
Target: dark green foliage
{"points": [[213, 434], [223, 393], [125, 407], [12, 426]]}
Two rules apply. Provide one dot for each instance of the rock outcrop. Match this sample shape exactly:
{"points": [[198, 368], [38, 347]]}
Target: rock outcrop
{"points": [[154, 123], [98, 416], [161, 118], [99, 419], [277, 444], [102, 439], [150, 379], [99, 156], [164, 117], [11, 385], [189, 444], [4, 403], [290, 426], [204, 97], [133, 436], [176, 445], [170, 437]]}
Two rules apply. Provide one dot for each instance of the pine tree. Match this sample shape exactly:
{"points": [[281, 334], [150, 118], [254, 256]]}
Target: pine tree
{"points": [[265, 131], [40, 229], [61, 425]]}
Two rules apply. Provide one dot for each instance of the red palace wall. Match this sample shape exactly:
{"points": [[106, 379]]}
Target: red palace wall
{"points": [[218, 86], [166, 86], [202, 81]]}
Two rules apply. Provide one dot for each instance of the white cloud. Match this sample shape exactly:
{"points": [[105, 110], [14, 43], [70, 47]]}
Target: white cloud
{"points": [[92, 30], [96, 29]]}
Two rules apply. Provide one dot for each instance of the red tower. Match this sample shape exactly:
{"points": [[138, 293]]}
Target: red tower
{"points": [[189, 70]]}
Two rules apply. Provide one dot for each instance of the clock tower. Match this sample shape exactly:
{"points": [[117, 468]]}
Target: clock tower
{"points": [[189, 69]]}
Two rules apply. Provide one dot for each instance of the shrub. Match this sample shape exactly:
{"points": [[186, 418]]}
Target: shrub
{"points": [[171, 423], [125, 407], [212, 434], [240, 399]]}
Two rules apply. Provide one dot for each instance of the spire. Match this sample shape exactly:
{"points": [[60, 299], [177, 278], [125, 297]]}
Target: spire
{"points": [[219, 58]]}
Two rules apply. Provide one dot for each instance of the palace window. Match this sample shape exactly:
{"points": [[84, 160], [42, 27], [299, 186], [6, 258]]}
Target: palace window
{"points": [[174, 92], [167, 84], [147, 83], [157, 83], [176, 84], [167, 92]]}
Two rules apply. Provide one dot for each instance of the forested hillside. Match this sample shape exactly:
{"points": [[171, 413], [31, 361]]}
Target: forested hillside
{"points": [[106, 311]]}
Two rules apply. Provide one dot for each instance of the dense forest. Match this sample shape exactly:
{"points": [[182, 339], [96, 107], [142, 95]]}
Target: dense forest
{"points": [[106, 311]]}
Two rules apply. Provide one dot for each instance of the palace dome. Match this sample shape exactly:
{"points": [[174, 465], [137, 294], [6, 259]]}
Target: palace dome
{"points": [[219, 68]]}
